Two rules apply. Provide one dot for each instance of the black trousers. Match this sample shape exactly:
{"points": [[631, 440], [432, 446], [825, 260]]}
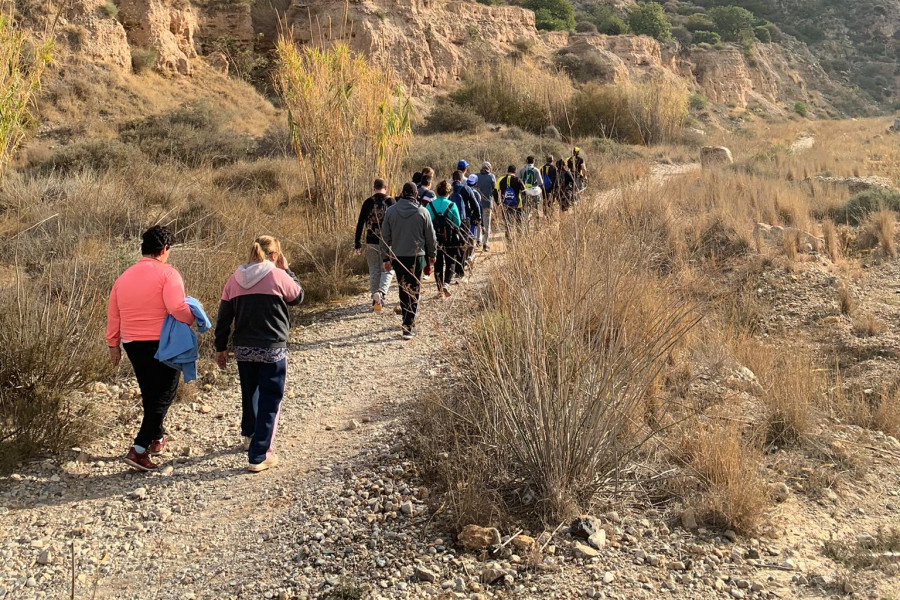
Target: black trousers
{"points": [[409, 277], [158, 383], [445, 265]]}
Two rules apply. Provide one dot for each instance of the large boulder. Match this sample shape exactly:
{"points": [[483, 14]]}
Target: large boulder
{"points": [[473, 537], [715, 156]]}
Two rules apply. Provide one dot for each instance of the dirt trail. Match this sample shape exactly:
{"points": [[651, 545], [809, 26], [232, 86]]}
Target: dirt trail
{"points": [[346, 364]]}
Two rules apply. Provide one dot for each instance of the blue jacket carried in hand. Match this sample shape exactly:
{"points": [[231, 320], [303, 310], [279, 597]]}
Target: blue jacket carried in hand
{"points": [[178, 344]]}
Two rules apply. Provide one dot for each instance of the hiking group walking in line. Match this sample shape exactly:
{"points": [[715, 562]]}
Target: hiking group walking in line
{"points": [[429, 230]]}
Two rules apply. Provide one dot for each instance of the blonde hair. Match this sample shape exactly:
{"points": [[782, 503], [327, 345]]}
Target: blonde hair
{"points": [[263, 247]]}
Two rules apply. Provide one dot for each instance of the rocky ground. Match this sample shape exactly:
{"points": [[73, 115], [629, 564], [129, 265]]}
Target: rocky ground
{"points": [[347, 514]]}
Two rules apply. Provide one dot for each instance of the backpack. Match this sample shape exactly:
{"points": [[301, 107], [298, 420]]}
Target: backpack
{"points": [[530, 176], [510, 197], [445, 230], [548, 183], [376, 215]]}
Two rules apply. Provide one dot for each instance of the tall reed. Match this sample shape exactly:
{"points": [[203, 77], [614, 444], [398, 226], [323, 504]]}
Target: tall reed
{"points": [[22, 64], [349, 118]]}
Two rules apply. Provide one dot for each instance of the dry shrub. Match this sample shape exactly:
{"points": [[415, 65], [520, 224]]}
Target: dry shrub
{"points": [[833, 245], [563, 361], [647, 112], [23, 65], [792, 388], [877, 409], [518, 94], [734, 495], [883, 225], [349, 118], [48, 349], [846, 299], [868, 325]]}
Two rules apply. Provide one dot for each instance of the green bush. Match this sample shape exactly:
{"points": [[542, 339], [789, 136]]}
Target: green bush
{"points": [[552, 15], [192, 135], [733, 23], [697, 101], [864, 203], [109, 9], [613, 25], [707, 37], [585, 27], [682, 35], [451, 117], [763, 34], [92, 155], [649, 18], [699, 22], [589, 67], [142, 59], [801, 109]]}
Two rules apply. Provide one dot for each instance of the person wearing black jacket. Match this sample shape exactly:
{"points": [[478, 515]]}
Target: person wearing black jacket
{"points": [[548, 173], [565, 186], [371, 216], [511, 189], [470, 212]]}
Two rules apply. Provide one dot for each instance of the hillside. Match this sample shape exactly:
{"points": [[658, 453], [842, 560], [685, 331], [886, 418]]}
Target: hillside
{"points": [[197, 46]]}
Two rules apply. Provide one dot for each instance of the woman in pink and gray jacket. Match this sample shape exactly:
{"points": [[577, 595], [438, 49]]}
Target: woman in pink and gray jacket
{"points": [[255, 302]]}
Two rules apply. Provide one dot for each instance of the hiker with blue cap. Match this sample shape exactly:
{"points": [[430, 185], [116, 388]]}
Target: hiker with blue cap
{"points": [[469, 209]]}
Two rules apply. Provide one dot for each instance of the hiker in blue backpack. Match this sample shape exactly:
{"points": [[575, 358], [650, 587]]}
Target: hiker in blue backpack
{"points": [[487, 186], [548, 174], [510, 189], [447, 229]]}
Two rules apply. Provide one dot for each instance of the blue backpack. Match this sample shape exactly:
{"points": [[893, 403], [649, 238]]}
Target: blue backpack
{"points": [[510, 197]]}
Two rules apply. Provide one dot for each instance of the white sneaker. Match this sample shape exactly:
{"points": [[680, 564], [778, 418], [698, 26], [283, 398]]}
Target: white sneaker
{"points": [[377, 302]]}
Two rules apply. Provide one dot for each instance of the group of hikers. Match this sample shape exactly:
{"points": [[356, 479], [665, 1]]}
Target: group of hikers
{"points": [[431, 228], [436, 228]]}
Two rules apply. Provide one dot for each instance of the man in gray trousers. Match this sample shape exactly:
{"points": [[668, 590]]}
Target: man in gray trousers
{"points": [[408, 243]]}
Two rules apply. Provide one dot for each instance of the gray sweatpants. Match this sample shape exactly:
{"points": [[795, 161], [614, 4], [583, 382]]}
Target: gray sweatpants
{"points": [[378, 279], [485, 228]]}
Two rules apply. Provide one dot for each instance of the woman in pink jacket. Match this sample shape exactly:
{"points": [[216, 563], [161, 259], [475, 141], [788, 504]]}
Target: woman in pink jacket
{"points": [[140, 300]]}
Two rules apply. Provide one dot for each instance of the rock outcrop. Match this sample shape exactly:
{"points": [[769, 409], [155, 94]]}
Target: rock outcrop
{"points": [[165, 26], [102, 38]]}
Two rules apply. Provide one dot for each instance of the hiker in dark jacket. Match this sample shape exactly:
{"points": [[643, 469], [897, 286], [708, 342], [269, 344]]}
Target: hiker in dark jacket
{"points": [[370, 217], [487, 186], [408, 242], [565, 186], [548, 174], [470, 213], [510, 188], [255, 301]]}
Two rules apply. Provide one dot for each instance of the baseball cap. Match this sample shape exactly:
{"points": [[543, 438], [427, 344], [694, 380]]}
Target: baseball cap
{"points": [[462, 165], [472, 179]]}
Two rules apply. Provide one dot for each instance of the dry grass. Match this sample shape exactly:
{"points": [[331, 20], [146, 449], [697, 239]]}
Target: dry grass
{"points": [[734, 495], [883, 227], [833, 246], [564, 360], [868, 325], [846, 299]]}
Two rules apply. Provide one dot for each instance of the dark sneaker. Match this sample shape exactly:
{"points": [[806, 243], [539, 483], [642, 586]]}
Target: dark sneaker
{"points": [[408, 334], [157, 446], [140, 461], [485, 247]]}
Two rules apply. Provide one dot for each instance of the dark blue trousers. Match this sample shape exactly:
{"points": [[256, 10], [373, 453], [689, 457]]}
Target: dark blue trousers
{"points": [[262, 388]]}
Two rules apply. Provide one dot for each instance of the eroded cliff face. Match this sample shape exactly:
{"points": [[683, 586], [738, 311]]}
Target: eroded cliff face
{"points": [[430, 43]]}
